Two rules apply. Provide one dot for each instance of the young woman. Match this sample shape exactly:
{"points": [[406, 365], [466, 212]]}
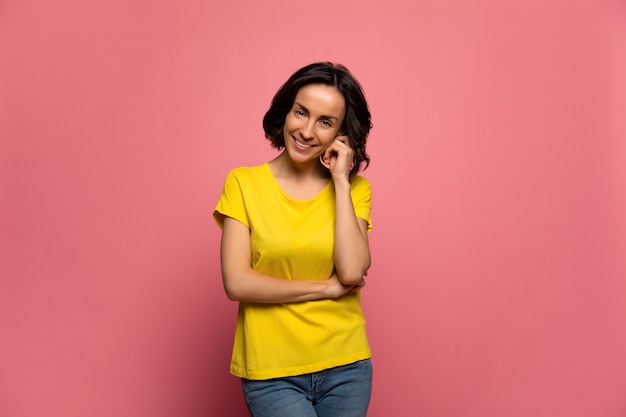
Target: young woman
{"points": [[295, 251]]}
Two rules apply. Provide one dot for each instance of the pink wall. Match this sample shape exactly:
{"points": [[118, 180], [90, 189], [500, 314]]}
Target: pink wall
{"points": [[499, 174]]}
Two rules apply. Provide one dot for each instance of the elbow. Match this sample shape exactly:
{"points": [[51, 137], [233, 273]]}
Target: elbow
{"points": [[354, 274], [232, 296], [239, 285], [354, 277], [232, 291], [350, 279]]}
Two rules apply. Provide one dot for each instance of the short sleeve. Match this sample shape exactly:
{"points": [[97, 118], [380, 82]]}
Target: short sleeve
{"points": [[231, 202], [361, 192]]}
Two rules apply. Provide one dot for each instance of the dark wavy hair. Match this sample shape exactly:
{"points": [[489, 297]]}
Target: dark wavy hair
{"points": [[357, 122]]}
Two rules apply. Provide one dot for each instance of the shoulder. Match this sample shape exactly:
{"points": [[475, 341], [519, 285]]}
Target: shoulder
{"points": [[359, 183], [246, 174], [360, 189]]}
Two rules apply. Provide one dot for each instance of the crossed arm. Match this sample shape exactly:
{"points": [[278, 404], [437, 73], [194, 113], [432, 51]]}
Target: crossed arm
{"points": [[352, 259]]}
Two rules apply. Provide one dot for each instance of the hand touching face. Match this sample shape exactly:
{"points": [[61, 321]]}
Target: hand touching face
{"points": [[338, 157]]}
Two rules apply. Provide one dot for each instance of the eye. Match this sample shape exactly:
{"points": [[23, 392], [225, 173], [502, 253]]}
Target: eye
{"points": [[299, 113], [326, 123]]}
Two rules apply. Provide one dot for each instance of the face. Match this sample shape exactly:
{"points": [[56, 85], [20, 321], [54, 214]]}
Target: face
{"points": [[313, 122]]}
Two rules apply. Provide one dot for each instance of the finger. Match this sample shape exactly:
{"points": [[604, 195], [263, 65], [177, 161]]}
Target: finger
{"points": [[339, 148], [343, 139], [358, 286]]}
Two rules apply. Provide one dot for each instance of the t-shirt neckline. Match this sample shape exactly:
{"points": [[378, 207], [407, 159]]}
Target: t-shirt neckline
{"points": [[266, 165]]}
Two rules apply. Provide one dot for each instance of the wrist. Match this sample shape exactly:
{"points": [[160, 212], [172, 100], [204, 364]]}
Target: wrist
{"points": [[341, 184], [331, 288]]}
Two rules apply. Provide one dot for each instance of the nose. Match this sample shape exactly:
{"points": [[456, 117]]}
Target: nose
{"points": [[308, 129]]}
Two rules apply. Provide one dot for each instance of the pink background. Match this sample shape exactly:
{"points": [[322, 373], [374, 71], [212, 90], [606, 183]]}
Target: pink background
{"points": [[499, 171]]}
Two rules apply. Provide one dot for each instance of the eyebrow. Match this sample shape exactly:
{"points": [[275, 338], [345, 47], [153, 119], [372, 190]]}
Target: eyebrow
{"points": [[326, 116]]}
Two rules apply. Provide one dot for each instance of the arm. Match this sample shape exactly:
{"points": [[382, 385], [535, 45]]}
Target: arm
{"points": [[351, 251], [242, 283], [352, 254]]}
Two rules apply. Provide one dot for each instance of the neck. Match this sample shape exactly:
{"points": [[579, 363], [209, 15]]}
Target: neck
{"points": [[284, 166]]}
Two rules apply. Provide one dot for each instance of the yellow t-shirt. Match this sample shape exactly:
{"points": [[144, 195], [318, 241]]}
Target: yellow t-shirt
{"points": [[292, 239]]}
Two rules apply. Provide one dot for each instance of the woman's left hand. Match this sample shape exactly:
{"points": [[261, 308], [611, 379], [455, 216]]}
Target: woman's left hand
{"points": [[339, 156]]}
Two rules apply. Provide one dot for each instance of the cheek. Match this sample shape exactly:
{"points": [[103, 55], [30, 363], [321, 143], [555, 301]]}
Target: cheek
{"points": [[290, 123], [327, 138]]}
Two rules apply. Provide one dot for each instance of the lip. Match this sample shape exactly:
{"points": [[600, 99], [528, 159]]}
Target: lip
{"points": [[300, 148]]}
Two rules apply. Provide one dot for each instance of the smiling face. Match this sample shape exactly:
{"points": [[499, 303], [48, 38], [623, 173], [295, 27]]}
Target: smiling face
{"points": [[313, 122]]}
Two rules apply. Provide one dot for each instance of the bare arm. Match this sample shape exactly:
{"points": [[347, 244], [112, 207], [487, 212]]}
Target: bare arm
{"points": [[351, 251], [242, 283]]}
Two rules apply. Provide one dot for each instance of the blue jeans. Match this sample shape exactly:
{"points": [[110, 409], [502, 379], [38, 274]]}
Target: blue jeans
{"points": [[343, 391]]}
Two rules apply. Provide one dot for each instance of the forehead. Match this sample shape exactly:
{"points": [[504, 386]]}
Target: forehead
{"points": [[322, 99]]}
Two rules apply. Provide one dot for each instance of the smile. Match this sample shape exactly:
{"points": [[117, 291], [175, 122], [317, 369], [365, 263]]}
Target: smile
{"points": [[301, 145]]}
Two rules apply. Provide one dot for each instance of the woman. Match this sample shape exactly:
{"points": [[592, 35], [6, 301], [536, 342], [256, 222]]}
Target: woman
{"points": [[295, 251]]}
